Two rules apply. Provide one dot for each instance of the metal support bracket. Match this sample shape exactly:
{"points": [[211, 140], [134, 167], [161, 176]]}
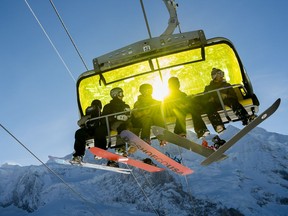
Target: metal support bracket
{"points": [[173, 20]]}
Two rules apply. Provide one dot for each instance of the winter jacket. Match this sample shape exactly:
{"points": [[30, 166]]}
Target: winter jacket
{"points": [[177, 100], [115, 106], [145, 102], [225, 93]]}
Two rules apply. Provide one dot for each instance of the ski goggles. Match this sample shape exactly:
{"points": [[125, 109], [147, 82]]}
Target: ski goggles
{"points": [[120, 94], [218, 73]]}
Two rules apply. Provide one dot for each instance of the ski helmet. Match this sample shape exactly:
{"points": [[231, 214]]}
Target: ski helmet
{"points": [[145, 88], [216, 71], [97, 103], [115, 92], [95, 109]]}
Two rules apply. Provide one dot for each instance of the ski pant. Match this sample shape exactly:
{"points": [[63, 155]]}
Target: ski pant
{"points": [[232, 102], [237, 108], [197, 109], [81, 135], [145, 122], [180, 124]]}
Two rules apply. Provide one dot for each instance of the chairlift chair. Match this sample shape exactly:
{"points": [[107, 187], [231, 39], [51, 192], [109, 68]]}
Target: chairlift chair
{"points": [[188, 56]]}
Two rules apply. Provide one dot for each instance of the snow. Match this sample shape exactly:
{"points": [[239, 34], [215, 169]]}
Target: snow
{"points": [[252, 181]]}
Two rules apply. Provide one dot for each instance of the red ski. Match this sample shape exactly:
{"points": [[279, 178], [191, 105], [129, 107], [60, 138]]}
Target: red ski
{"points": [[155, 154], [115, 157]]}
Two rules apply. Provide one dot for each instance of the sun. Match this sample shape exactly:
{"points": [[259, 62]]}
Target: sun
{"points": [[160, 89]]}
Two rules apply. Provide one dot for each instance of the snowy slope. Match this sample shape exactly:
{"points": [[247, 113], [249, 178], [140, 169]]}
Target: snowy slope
{"points": [[252, 181]]}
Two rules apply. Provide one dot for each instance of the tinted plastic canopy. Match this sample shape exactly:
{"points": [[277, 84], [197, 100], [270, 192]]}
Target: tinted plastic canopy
{"points": [[188, 56]]}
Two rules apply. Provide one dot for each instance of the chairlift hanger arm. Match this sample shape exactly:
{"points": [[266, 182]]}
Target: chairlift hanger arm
{"points": [[173, 19]]}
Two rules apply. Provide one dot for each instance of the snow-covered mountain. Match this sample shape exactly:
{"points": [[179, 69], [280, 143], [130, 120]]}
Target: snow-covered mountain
{"points": [[252, 181]]}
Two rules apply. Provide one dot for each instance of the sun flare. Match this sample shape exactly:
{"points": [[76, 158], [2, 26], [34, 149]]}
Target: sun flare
{"points": [[160, 89]]}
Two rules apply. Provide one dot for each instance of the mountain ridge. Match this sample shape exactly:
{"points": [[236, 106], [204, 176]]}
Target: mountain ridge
{"points": [[252, 181]]}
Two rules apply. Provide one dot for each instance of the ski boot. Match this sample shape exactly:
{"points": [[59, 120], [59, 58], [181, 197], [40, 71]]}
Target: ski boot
{"points": [[201, 134], [97, 157], [162, 143], [183, 135], [220, 129], [125, 150], [251, 118], [77, 160], [218, 142], [147, 140], [206, 145], [149, 161], [243, 116], [112, 163]]}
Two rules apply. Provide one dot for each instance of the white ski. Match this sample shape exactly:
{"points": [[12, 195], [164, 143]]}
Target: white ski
{"points": [[90, 165]]}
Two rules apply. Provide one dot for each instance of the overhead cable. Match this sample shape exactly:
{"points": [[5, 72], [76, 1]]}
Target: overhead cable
{"points": [[50, 170], [50, 41], [69, 35]]}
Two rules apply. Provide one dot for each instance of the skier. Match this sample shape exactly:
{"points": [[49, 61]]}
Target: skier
{"points": [[146, 112], [228, 95], [181, 105], [88, 130], [118, 122], [176, 105]]}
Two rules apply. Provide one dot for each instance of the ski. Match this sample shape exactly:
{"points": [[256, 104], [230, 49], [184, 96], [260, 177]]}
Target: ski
{"points": [[163, 134], [262, 117], [134, 140], [115, 157], [90, 165]]}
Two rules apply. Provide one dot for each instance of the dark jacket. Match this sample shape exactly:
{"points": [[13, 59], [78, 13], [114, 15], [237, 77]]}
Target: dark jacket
{"points": [[225, 93], [176, 100], [91, 112], [145, 102], [115, 106]]}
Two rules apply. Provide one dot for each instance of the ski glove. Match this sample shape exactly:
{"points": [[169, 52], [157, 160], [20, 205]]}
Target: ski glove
{"points": [[122, 117]]}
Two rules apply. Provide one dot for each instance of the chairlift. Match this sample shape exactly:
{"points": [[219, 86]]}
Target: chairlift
{"points": [[190, 56]]}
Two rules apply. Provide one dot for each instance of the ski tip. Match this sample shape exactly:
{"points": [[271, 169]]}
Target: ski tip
{"points": [[51, 157], [207, 162], [126, 134], [278, 101], [203, 163]]}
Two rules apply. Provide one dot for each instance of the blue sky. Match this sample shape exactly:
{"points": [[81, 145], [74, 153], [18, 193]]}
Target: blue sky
{"points": [[38, 93]]}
